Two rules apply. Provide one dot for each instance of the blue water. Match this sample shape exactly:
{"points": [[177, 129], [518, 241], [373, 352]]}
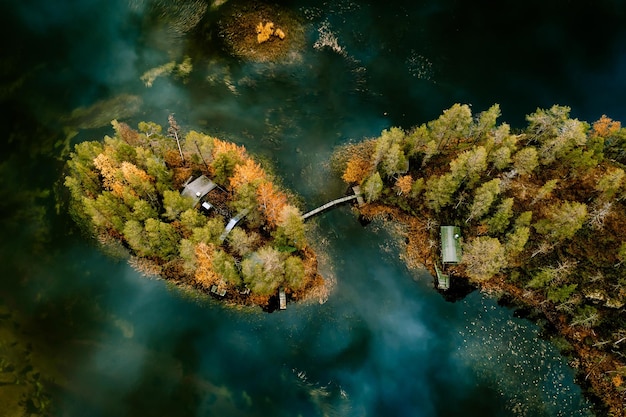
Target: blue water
{"points": [[384, 342]]}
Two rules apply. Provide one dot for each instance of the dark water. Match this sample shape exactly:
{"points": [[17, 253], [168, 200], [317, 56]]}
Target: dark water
{"points": [[384, 343]]}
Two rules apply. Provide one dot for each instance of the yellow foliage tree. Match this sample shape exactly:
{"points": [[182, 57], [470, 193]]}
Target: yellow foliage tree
{"points": [[205, 275], [247, 173], [271, 202]]}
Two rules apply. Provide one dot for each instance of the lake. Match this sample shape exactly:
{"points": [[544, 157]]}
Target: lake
{"points": [[101, 340]]}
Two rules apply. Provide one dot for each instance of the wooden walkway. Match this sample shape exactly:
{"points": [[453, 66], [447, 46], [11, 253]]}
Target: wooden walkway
{"points": [[356, 195]]}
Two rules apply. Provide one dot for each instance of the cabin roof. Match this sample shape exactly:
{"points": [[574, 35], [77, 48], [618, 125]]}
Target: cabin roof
{"points": [[450, 244], [198, 188]]}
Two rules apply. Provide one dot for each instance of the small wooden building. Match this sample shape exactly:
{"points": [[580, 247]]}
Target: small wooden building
{"points": [[198, 188], [450, 245]]}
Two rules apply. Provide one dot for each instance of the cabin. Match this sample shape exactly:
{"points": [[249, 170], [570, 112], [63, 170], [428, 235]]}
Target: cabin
{"points": [[450, 245], [198, 188]]}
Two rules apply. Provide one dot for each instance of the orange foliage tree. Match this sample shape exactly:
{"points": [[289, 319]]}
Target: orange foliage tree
{"points": [[205, 275], [357, 169], [404, 184], [605, 126], [271, 202], [247, 173]]}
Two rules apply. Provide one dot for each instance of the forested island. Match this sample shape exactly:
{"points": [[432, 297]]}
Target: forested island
{"points": [[540, 215], [195, 210]]}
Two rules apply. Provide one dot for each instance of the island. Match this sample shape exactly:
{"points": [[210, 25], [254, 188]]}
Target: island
{"points": [[195, 210], [535, 217]]}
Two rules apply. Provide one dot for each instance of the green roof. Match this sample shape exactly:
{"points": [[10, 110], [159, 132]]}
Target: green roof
{"points": [[450, 244]]}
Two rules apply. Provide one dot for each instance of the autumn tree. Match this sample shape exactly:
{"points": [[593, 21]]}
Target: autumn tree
{"points": [[484, 198], [404, 185], [372, 187], [271, 202], [263, 271], [174, 203], [357, 169], [439, 191], [483, 257], [225, 267], [247, 173], [545, 191], [525, 161], [501, 218], [243, 243], [485, 123], [610, 183], [205, 274], [454, 123], [291, 229], [469, 166], [294, 273], [563, 220]]}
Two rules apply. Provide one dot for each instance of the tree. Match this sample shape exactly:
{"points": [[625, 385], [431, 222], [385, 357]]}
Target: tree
{"points": [[484, 198], [263, 271], [243, 243], [605, 127], [162, 238], [439, 191], [500, 158], [545, 191], [546, 123], [483, 257], [271, 202], [357, 169], [387, 140], [563, 220], [192, 218], [291, 229], [224, 166], [485, 122], [205, 274], [134, 234], [501, 218], [394, 161], [247, 173], [516, 241], [175, 203], [469, 165], [224, 266], [142, 211], [209, 233], [294, 273], [404, 185], [173, 131], [454, 123], [373, 187], [525, 161], [586, 316], [610, 183]]}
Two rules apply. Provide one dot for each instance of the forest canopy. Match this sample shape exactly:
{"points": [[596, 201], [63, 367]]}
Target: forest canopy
{"points": [[541, 209], [193, 209]]}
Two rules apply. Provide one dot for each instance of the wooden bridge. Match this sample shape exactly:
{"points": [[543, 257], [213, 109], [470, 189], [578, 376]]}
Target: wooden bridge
{"points": [[357, 195]]}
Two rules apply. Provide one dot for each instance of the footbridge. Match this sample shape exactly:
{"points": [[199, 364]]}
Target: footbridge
{"points": [[357, 195]]}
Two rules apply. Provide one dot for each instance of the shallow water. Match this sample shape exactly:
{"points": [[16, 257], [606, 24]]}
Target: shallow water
{"points": [[384, 343]]}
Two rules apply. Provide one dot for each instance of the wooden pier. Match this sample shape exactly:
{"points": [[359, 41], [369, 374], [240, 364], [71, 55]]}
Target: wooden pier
{"points": [[282, 299]]}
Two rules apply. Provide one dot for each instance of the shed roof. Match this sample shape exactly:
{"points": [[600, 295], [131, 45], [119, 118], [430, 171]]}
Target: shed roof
{"points": [[450, 244], [198, 188]]}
